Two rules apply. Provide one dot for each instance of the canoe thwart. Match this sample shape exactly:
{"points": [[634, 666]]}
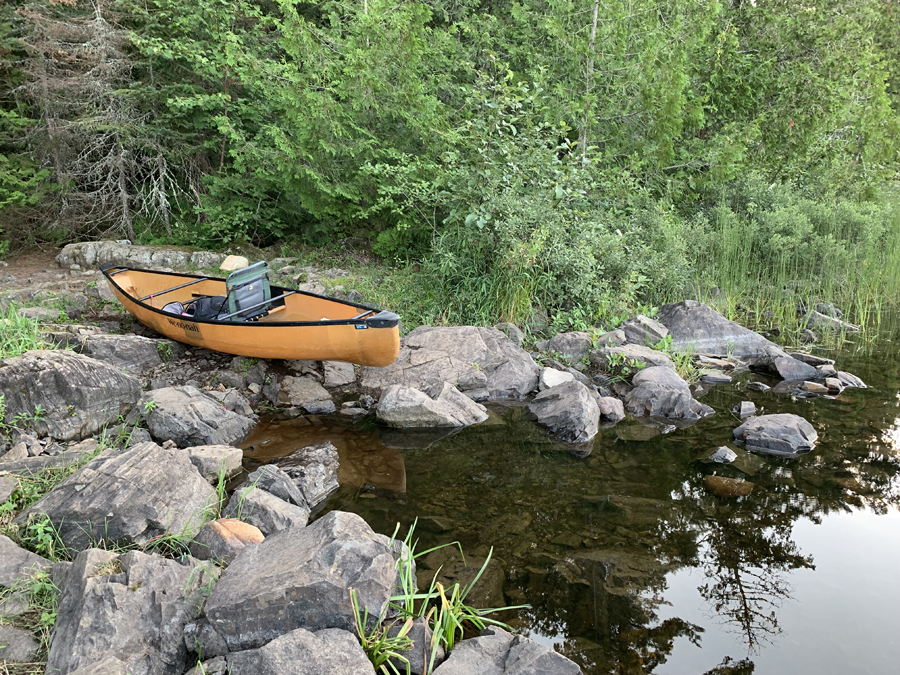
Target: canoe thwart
{"points": [[169, 290]]}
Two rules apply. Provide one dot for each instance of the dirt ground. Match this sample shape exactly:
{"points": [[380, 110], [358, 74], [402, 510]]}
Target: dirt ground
{"points": [[35, 262]]}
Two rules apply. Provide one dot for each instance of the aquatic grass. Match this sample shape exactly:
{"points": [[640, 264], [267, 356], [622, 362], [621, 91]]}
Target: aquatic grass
{"points": [[381, 648], [18, 334]]}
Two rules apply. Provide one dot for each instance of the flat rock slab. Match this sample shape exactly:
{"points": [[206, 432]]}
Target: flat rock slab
{"points": [[133, 353], [496, 652], [696, 327], [16, 562], [131, 607], [188, 417], [127, 497], [789, 369], [78, 395], [92, 254], [784, 435], [568, 410], [660, 392], [301, 579], [441, 406], [301, 652], [481, 362]]}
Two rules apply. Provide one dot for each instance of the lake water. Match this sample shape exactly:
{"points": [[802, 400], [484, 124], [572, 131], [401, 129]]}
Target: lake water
{"points": [[629, 564]]}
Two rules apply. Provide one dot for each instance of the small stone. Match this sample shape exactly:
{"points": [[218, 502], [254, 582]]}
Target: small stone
{"points": [[8, 485], [745, 409], [814, 388], [723, 455], [254, 388], [758, 386], [234, 262], [221, 540], [727, 487], [834, 385], [550, 377]]}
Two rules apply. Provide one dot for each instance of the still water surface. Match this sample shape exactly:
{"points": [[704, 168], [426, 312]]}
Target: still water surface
{"points": [[628, 563]]}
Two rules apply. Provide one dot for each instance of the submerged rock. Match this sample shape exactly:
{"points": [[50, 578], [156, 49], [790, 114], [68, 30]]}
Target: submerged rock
{"points": [[496, 652], [784, 435], [727, 487], [568, 410]]}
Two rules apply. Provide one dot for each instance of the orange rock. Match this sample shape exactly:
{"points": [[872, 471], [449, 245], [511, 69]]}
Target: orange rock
{"points": [[234, 531]]}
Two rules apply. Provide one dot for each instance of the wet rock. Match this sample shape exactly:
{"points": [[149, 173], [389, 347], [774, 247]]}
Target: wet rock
{"points": [[835, 386], [641, 432], [17, 645], [265, 511], [696, 327], [127, 497], [790, 369], [512, 332], [819, 321], [727, 487], [660, 392], [550, 377], [611, 409], [443, 406], [758, 386], [314, 470], [420, 634], [572, 346], [338, 374], [481, 361], [190, 418], [221, 540], [784, 435], [213, 461], [568, 410], [745, 409], [850, 380], [301, 579], [642, 330], [131, 607], [16, 562], [303, 391], [301, 652], [79, 395], [132, 353], [496, 652], [610, 359], [721, 455]]}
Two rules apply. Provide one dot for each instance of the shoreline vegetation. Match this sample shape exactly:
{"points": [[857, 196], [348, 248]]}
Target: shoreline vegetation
{"points": [[485, 161]]}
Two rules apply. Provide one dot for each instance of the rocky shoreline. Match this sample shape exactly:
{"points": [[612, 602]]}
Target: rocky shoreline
{"points": [[175, 569]]}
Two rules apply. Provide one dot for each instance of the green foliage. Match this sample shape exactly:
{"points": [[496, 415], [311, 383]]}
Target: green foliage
{"points": [[377, 644], [42, 596], [18, 334]]}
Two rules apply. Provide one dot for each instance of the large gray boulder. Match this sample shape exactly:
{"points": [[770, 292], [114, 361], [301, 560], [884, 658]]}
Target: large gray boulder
{"points": [[77, 395], [302, 579], [265, 511], [314, 470], [131, 607], [188, 417], [91, 254], [127, 497], [300, 652], [482, 363], [443, 406], [784, 435], [133, 353], [572, 346], [497, 652], [568, 410], [695, 327], [660, 392]]}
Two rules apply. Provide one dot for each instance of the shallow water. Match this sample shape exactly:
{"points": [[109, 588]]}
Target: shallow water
{"points": [[628, 563]]}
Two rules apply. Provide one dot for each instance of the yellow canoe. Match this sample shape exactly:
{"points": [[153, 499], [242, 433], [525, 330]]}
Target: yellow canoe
{"points": [[290, 324]]}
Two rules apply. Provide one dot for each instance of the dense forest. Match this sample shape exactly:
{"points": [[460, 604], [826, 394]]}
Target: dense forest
{"points": [[584, 156]]}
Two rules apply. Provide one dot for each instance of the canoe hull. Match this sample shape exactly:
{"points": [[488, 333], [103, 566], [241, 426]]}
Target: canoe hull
{"points": [[339, 339]]}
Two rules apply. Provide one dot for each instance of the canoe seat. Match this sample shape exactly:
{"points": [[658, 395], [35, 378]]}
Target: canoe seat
{"points": [[248, 291]]}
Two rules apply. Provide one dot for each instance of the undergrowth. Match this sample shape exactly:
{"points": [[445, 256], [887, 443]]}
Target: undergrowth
{"points": [[18, 334]]}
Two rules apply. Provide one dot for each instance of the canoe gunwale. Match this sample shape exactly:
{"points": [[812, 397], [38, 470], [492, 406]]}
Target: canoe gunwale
{"points": [[380, 320]]}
